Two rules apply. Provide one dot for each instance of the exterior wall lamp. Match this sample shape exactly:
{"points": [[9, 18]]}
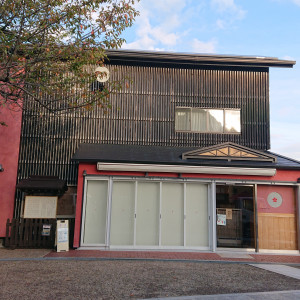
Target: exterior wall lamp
{"points": [[1, 168]]}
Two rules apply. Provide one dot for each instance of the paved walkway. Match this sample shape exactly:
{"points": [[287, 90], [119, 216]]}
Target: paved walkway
{"points": [[225, 256], [292, 295], [280, 269]]}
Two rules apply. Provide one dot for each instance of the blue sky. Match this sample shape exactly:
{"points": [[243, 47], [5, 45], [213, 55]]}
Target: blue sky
{"points": [[238, 27]]}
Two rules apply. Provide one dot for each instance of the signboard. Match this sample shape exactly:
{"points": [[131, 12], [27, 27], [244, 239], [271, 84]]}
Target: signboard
{"points": [[62, 235], [228, 214], [221, 220], [40, 207], [274, 199], [46, 230]]}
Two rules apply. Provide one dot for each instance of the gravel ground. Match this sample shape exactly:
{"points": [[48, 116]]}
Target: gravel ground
{"points": [[22, 253], [132, 279]]}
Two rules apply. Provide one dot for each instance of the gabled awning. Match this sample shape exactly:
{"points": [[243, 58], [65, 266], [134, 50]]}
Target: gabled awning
{"points": [[229, 151]]}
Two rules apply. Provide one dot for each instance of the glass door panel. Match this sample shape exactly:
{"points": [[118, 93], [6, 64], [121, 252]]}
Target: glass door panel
{"points": [[95, 212], [172, 212], [147, 215], [122, 213], [196, 215], [235, 216]]}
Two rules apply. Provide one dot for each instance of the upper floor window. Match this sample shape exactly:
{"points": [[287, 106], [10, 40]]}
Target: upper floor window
{"points": [[192, 119]]}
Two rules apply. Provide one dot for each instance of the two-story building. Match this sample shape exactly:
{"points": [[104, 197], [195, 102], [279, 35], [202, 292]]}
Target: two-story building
{"points": [[180, 161]]}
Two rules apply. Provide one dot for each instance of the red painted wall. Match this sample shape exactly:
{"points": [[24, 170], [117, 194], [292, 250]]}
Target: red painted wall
{"points": [[91, 169], [9, 154], [287, 193]]}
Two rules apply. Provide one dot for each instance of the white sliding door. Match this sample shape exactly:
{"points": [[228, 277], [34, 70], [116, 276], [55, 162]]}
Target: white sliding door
{"points": [[122, 213], [172, 214], [147, 214], [196, 215], [95, 212]]}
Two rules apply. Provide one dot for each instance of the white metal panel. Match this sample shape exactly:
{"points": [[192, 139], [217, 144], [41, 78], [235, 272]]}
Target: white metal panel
{"points": [[172, 210], [95, 212], [196, 215], [147, 214], [122, 213]]}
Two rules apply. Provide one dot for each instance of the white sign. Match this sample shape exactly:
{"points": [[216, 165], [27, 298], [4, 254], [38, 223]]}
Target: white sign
{"points": [[40, 207], [274, 199], [62, 237], [221, 220]]}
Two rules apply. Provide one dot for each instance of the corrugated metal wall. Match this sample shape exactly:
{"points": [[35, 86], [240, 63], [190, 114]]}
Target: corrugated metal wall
{"points": [[144, 114]]}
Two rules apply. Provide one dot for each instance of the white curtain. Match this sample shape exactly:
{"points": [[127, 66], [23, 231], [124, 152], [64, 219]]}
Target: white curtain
{"points": [[199, 120], [182, 119]]}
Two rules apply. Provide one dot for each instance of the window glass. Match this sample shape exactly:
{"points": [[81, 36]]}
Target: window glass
{"points": [[215, 120], [182, 119], [199, 120], [232, 121], [208, 120]]}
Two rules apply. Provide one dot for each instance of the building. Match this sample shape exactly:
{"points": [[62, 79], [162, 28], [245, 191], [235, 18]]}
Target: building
{"points": [[181, 160]]}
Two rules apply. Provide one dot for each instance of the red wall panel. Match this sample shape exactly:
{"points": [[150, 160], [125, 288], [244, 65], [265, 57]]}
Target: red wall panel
{"points": [[287, 193], [9, 154]]}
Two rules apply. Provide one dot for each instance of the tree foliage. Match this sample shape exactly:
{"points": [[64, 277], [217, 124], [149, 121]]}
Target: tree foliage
{"points": [[49, 50]]}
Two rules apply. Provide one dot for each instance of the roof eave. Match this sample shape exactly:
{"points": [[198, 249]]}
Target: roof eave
{"points": [[198, 59]]}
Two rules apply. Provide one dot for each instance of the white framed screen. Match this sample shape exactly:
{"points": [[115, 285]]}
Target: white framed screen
{"points": [[172, 214], [147, 214], [122, 213], [196, 215], [95, 212]]}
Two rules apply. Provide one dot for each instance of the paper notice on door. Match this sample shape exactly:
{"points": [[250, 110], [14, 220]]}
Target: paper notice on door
{"points": [[221, 220], [228, 214]]}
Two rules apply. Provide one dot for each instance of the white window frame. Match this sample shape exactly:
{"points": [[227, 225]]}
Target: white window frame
{"points": [[190, 109]]}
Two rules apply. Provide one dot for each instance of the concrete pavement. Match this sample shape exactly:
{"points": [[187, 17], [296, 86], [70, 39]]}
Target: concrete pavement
{"points": [[291, 295]]}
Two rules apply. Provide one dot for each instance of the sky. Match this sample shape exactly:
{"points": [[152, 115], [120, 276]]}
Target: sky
{"points": [[237, 27]]}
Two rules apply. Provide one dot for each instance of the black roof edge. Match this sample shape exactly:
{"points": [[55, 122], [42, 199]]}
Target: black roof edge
{"points": [[285, 157], [194, 58]]}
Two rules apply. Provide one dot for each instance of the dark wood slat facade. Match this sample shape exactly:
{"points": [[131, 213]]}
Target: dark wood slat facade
{"points": [[144, 114]]}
